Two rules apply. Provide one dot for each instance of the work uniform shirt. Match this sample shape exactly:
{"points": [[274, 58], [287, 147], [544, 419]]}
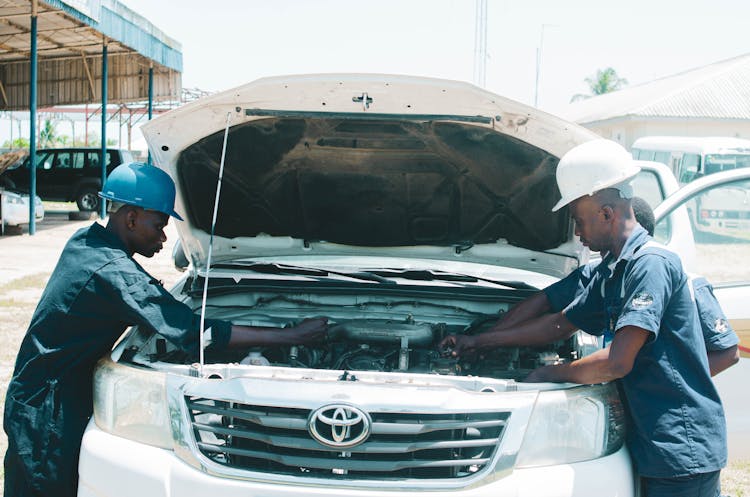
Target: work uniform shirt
{"points": [[96, 291], [677, 420]]}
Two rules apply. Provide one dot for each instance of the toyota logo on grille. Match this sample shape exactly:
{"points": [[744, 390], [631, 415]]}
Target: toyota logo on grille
{"points": [[339, 425]]}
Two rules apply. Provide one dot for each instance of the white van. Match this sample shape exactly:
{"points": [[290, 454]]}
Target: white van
{"points": [[724, 214], [693, 157]]}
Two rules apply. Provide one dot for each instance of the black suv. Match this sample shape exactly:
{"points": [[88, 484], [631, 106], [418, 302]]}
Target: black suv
{"points": [[67, 174]]}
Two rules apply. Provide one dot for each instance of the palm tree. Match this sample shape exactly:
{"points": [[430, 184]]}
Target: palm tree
{"points": [[605, 81], [48, 134]]}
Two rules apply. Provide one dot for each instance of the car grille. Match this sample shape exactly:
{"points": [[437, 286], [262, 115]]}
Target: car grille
{"points": [[401, 445]]}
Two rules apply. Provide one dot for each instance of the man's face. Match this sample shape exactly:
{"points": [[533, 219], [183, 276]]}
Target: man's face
{"points": [[591, 223], [148, 233]]}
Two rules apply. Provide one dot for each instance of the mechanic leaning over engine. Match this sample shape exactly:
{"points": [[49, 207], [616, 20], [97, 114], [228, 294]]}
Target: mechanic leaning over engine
{"points": [[641, 294], [95, 292], [720, 339]]}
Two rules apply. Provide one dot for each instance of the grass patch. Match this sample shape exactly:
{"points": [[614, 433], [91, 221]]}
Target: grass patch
{"points": [[33, 281], [735, 479], [13, 303]]}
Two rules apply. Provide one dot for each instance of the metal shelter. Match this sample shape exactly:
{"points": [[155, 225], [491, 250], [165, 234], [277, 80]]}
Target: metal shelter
{"points": [[65, 52]]}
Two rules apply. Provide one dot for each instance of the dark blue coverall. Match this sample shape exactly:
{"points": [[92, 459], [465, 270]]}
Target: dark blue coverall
{"points": [[96, 291]]}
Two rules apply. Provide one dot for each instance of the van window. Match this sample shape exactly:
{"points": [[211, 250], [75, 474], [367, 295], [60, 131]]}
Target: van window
{"points": [[78, 160], [62, 161], [662, 157], [689, 167], [92, 159], [725, 162], [43, 161], [643, 154]]}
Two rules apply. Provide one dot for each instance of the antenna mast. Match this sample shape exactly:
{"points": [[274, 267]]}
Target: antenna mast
{"points": [[480, 43]]}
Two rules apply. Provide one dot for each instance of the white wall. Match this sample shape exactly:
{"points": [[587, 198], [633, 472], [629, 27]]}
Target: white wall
{"points": [[626, 132]]}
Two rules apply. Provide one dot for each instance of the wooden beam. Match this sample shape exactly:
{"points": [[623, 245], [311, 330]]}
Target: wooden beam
{"points": [[88, 75]]}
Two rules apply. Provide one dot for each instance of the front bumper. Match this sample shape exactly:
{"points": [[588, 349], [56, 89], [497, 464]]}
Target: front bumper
{"points": [[111, 466]]}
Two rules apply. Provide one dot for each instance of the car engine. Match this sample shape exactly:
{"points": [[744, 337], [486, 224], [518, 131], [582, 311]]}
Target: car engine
{"points": [[383, 345]]}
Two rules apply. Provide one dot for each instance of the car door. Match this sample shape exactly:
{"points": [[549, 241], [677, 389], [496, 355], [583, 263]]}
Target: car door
{"points": [[720, 226], [56, 180]]}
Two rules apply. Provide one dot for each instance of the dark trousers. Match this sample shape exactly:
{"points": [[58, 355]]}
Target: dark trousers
{"points": [[700, 485], [44, 441]]}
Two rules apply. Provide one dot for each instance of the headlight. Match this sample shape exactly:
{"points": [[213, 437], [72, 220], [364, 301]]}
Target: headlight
{"points": [[573, 425], [132, 404]]}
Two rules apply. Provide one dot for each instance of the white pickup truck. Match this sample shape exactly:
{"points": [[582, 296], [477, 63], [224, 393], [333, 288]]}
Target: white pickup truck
{"points": [[402, 209]]}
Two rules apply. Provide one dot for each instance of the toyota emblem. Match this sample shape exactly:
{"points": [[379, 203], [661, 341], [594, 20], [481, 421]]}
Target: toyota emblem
{"points": [[339, 425]]}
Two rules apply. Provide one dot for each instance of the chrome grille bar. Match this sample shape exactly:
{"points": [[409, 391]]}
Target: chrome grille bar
{"points": [[273, 439]]}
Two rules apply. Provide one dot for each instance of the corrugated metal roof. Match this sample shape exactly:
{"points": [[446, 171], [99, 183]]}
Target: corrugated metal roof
{"points": [[720, 91], [70, 35]]}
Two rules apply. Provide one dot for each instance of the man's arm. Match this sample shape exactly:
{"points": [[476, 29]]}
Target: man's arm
{"points": [[720, 339], [532, 307], [719, 360], [554, 298], [604, 365]]}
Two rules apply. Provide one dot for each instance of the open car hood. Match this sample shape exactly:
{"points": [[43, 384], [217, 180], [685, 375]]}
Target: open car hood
{"points": [[369, 165]]}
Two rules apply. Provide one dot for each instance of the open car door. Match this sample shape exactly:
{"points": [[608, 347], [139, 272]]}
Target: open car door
{"points": [[718, 207]]}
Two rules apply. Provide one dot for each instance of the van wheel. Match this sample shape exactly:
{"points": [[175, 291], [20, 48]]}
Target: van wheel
{"points": [[88, 199]]}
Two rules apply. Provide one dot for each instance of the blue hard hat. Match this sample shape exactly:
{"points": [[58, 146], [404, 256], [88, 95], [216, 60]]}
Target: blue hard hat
{"points": [[142, 185]]}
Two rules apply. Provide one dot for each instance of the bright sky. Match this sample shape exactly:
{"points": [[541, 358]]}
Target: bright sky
{"points": [[226, 43]]}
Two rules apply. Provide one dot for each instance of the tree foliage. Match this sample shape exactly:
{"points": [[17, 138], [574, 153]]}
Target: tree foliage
{"points": [[604, 81]]}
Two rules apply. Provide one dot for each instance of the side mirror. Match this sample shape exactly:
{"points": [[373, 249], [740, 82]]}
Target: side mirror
{"points": [[178, 256]]}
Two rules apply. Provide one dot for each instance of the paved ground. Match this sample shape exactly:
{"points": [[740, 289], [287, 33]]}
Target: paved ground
{"points": [[25, 255], [27, 261]]}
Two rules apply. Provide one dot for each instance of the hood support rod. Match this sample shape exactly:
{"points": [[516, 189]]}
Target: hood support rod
{"points": [[201, 337]]}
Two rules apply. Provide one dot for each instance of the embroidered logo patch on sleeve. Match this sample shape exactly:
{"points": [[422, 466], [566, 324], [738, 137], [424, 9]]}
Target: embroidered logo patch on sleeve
{"points": [[641, 300], [721, 325]]}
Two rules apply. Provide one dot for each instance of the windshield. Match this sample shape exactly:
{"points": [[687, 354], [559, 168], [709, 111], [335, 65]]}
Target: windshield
{"points": [[725, 162]]}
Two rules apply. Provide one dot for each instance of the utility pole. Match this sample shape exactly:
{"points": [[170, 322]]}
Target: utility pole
{"points": [[539, 62], [480, 43]]}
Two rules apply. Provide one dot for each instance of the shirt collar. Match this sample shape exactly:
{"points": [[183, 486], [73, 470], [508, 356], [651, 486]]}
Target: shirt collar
{"points": [[637, 238], [112, 239]]}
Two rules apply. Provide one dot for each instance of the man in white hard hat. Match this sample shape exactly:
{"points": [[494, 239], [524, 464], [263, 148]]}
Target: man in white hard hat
{"points": [[720, 339], [640, 293]]}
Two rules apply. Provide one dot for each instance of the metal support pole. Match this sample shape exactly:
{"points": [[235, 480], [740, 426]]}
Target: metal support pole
{"points": [[32, 122], [150, 98], [103, 156]]}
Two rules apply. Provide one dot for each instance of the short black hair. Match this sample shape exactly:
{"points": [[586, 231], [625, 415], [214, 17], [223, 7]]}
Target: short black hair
{"points": [[643, 214]]}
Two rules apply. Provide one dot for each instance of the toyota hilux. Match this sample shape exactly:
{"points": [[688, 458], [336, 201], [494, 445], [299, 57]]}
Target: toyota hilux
{"points": [[401, 209]]}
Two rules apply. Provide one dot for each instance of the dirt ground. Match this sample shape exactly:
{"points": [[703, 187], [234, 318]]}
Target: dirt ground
{"points": [[27, 262]]}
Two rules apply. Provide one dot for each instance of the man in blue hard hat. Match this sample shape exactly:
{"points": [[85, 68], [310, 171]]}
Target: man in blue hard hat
{"points": [[95, 292]]}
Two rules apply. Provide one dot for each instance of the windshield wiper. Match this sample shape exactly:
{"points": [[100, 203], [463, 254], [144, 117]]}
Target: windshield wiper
{"points": [[274, 268], [429, 275], [383, 276]]}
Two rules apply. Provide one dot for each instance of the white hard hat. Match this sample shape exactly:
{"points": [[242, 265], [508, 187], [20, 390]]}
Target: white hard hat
{"points": [[593, 166]]}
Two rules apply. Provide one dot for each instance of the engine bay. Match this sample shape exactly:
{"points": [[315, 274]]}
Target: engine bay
{"points": [[366, 333]]}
